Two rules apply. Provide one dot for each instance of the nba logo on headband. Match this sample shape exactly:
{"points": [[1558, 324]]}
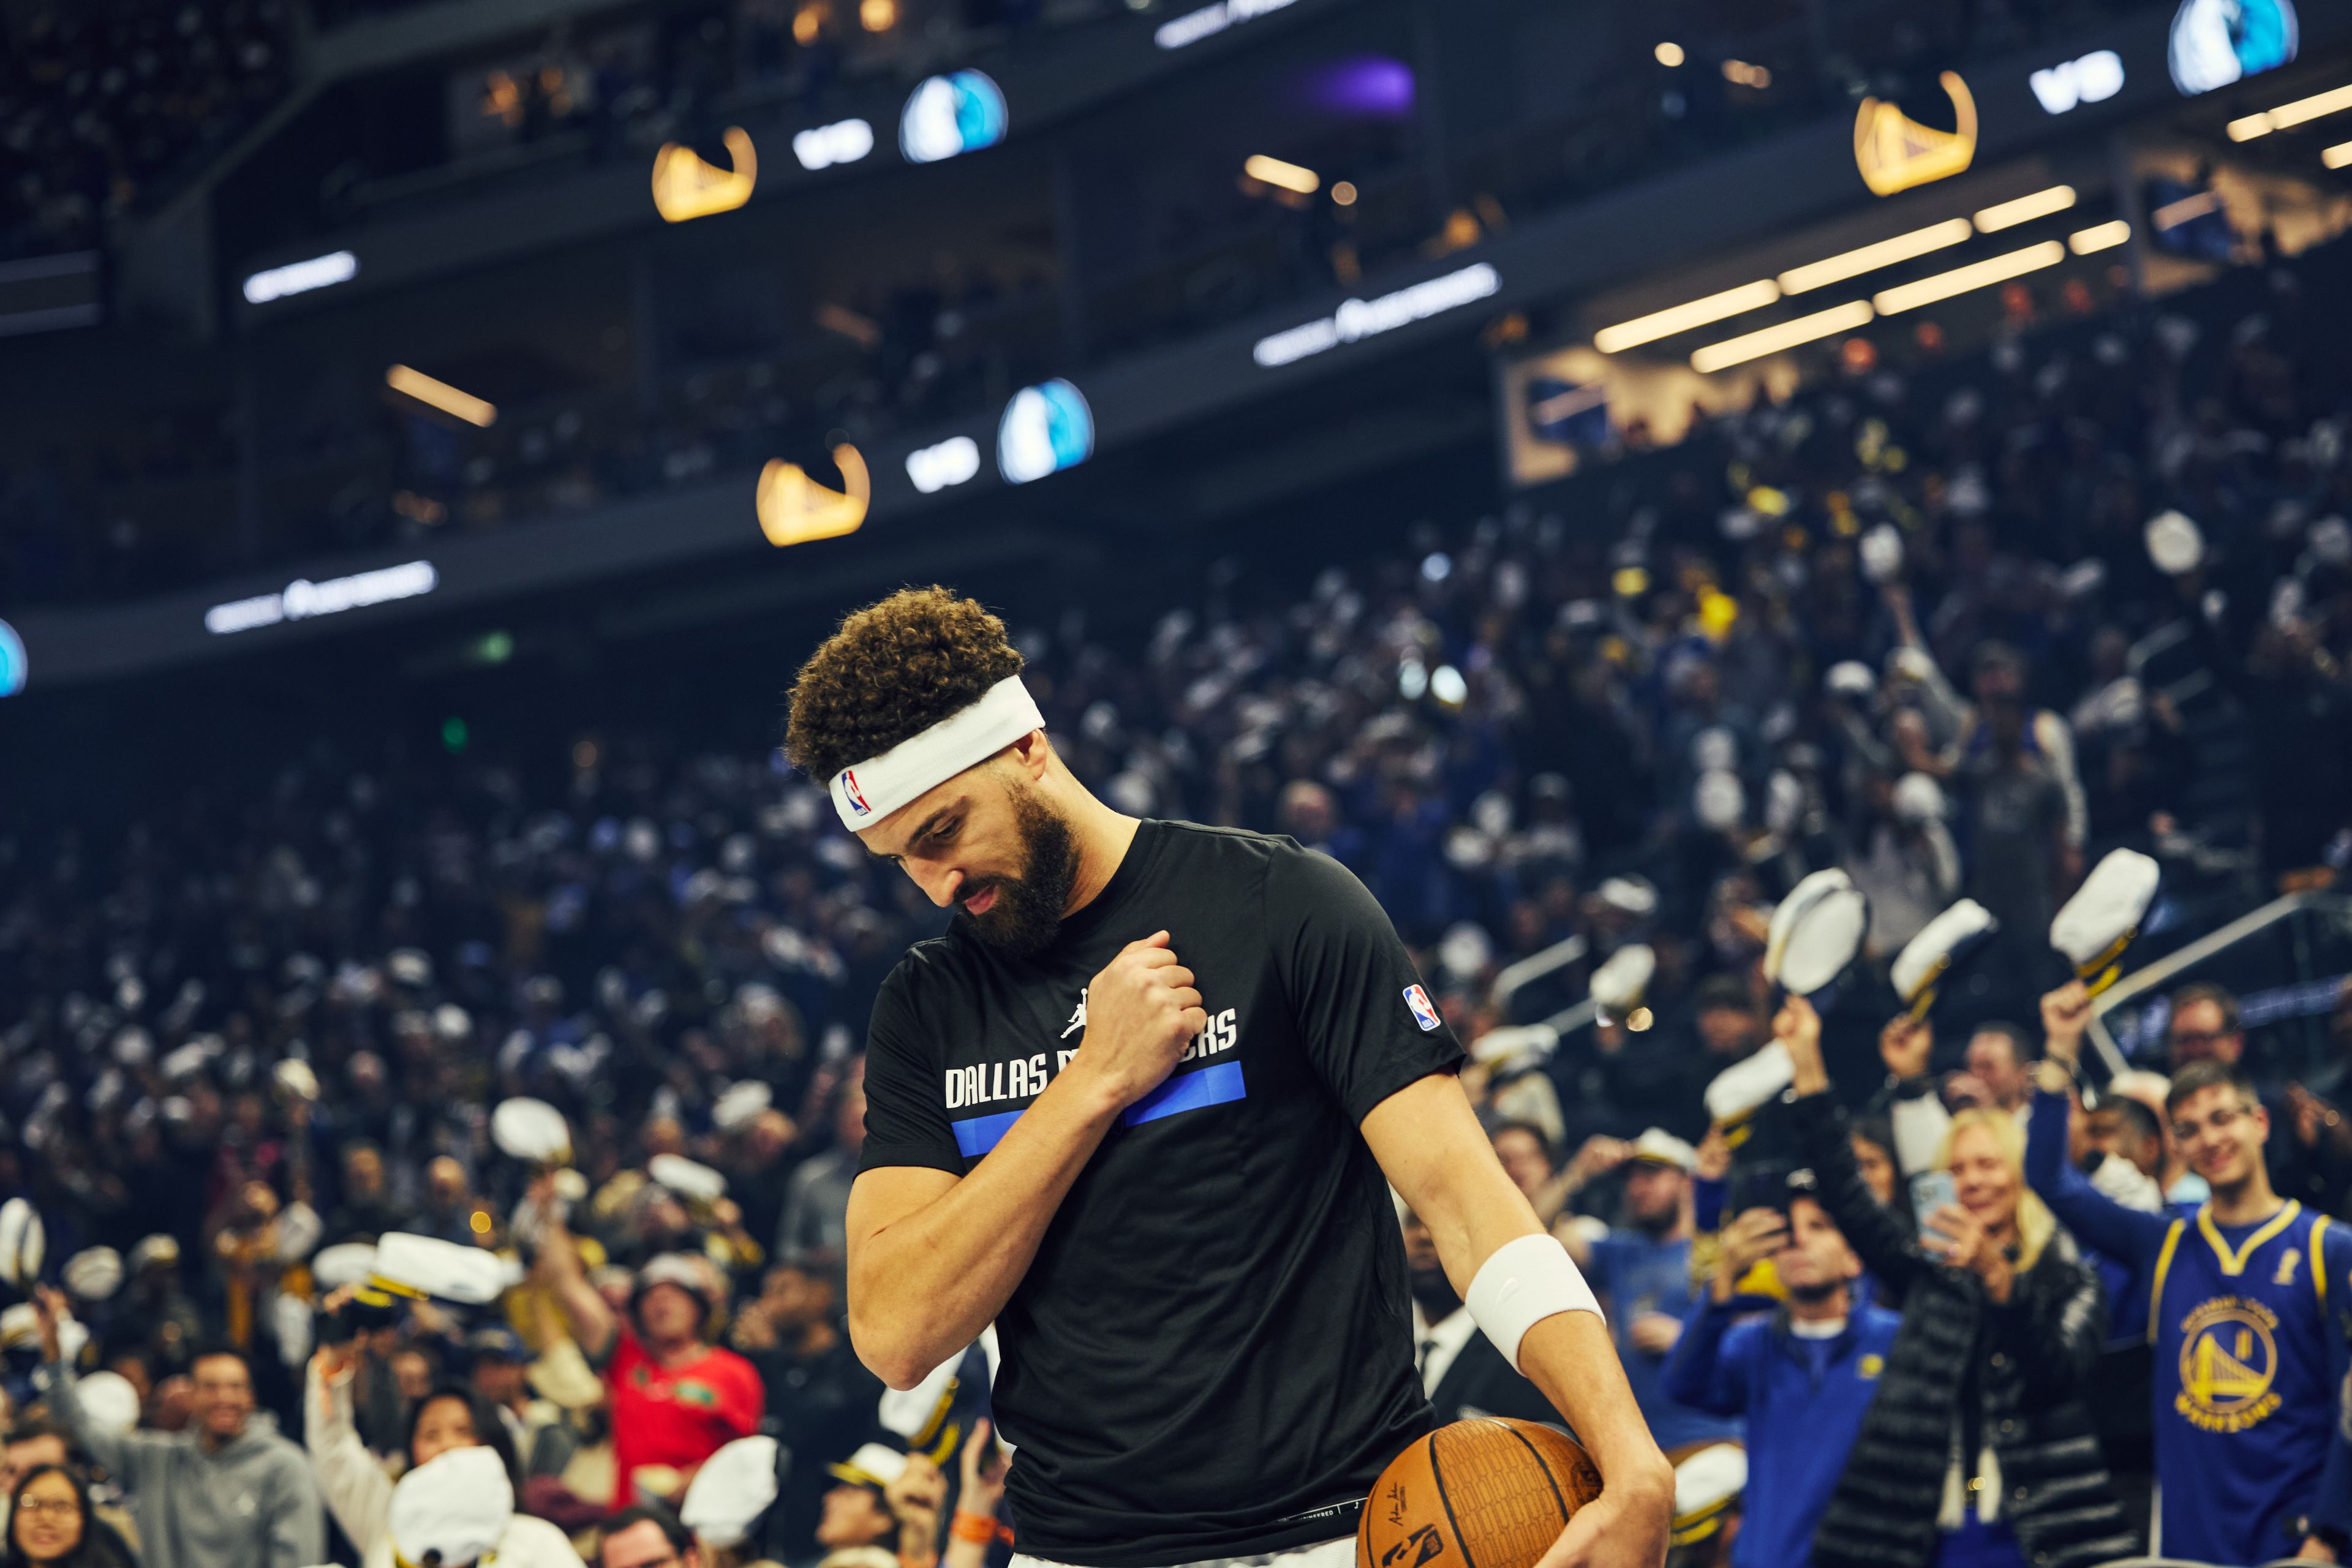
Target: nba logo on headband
{"points": [[849, 793]]}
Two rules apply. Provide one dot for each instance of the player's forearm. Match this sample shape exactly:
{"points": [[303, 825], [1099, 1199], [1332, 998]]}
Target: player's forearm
{"points": [[1570, 1357], [923, 1287]]}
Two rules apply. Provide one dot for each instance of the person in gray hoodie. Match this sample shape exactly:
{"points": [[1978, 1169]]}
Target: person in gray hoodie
{"points": [[228, 1493]]}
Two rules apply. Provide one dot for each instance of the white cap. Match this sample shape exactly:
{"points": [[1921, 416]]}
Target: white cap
{"points": [[450, 1511], [1619, 984], [1851, 678], [1918, 798], [345, 1263], [872, 1465], [733, 1489], [1705, 1485], [295, 1079], [1815, 933], [1882, 554], [2106, 910], [422, 1265], [531, 1131], [1942, 943], [688, 1178], [108, 1401], [2174, 542], [93, 1274], [1744, 1086], [1634, 896], [741, 1105], [1657, 1146], [154, 1249], [24, 1244]]}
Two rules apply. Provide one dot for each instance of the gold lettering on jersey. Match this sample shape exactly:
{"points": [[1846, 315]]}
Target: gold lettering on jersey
{"points": [[2285, 1275], [2229, 1359]]}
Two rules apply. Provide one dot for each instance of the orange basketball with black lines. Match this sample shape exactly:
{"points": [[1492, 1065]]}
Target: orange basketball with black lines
{"points": [[1483, 1493]]}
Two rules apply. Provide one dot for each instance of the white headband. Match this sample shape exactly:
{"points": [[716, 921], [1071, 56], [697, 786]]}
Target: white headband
{"points": [[877, 786]]}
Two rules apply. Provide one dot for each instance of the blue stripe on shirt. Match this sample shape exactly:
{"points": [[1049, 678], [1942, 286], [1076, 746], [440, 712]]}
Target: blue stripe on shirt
{"points": [[1218, 1085]]}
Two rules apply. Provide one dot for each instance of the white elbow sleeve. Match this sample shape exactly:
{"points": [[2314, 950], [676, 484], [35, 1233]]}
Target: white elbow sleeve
{"points": [[1521, 1283]]}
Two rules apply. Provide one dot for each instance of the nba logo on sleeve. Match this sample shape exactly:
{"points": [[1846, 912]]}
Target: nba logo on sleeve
{"points": [[849, 793], [1423, 1013]]}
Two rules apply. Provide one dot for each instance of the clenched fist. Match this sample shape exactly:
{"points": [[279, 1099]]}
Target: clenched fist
{"points": [[1142, 1012]]}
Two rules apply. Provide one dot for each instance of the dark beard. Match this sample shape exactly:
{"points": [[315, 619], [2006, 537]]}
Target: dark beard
{"points": [[1814, 1295], [1027, 915]]}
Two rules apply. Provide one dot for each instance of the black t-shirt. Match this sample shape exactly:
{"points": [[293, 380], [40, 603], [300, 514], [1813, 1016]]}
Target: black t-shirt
{"points": [[1211, 1353]]}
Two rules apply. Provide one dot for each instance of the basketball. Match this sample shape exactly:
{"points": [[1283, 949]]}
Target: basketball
{"points": [[1483, 1493]]}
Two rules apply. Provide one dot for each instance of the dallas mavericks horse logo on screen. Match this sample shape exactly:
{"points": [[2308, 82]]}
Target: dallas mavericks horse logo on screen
{"points": [[849, 793]]}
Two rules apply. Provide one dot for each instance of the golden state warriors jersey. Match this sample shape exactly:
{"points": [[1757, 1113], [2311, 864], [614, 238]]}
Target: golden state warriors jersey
{"points": [[2249, 1354]]}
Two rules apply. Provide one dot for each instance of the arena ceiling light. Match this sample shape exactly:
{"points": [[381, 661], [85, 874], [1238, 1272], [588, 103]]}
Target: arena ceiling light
{"points": [[951, 462], [1045, 428], [1209, 20], [946, 116], [1976, 275], [687, 187], [1286, 176], [1785, 335], [824, 146], [2025, 209], [301, 600], [2094, 78], [1871, 258], [440, 394], [13, 666], [1681, 318], [2216, 42], [1359, 319], [2334, 101], [301, 277], [2337, 157], [2099, 236]]}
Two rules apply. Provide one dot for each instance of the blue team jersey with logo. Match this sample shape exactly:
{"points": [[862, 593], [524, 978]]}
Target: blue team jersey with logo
{"points": [[2249, 1356], [2248, 1325]]}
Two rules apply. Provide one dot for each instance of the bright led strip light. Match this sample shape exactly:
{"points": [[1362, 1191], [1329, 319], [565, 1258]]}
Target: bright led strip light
{"points": [[2172, 214], [1210, 20], [440, 394], [301, 277], [2337, 157], [1675, 318], [1359, 319], [1977, 275], [1871, 258], [2025, 209], [1288, 176], [2099, 236], [2286, 114], [302, 600], [1787, 335]]}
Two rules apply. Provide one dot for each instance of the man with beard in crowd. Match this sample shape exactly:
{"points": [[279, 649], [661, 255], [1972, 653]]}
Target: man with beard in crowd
{"points": [[1140, 1109]]}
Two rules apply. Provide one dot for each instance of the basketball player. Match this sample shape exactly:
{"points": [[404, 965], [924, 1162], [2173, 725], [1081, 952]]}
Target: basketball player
{"points": [[2246, 1306], [1140, 1108]]}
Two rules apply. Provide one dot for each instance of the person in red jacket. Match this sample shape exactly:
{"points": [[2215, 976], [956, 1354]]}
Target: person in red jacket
{"points": [[675, 1399]]}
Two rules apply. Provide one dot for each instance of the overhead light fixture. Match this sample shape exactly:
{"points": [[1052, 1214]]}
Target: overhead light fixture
{"points": [[2094, 78], [2025, 209], [793, 509], [686, 187], [1359, 319], [302, 600], [1286, 176], [301, 277], [1681, 318], [946, 116], [1976, 275], [1210, 20], [2332, 101], [2099, 236], [842, 141], [2172, 214], [14, 665], [1669, 54], [1895, 151], [1741, 74], [951, 462], [1871, 258], [440, 394], [1786, 335], [2337, 157], [1344, 194]]}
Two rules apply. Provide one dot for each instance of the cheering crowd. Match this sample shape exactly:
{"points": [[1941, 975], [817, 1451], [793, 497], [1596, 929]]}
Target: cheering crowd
{"points": [[1888, 628]]}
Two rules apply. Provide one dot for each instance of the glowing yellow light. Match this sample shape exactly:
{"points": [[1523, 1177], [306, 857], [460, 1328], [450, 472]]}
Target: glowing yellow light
{"points": [[1675, 318], [2337, 157], [1976, 275], [686, 187], [1638, 1019], [1287, 176], [1669, 54], [807, 23], [2099, 236], [440, 394], [480, 1222], [2246, 130], [1344, 193], [2332, 101], [1871, 258], [1786, 335], [1631, 582], [1745, 75], [794, 509], [2025, 209], [1895, 151], [877, 15], [2172, 214]]}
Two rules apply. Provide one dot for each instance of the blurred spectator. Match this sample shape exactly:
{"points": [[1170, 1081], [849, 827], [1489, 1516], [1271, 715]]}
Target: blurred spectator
{"points": [[1641, 1268], [1977, 1446], [674, 1398], [1799, 1377], [814, 1231], [231, 1493], [358, 1491], [1461, 1371], [646, 1535], [822, 1400], [544, 1441], [52, 1523]]}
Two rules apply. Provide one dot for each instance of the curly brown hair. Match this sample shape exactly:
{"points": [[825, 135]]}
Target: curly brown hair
{"points": [[893, 670]]}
